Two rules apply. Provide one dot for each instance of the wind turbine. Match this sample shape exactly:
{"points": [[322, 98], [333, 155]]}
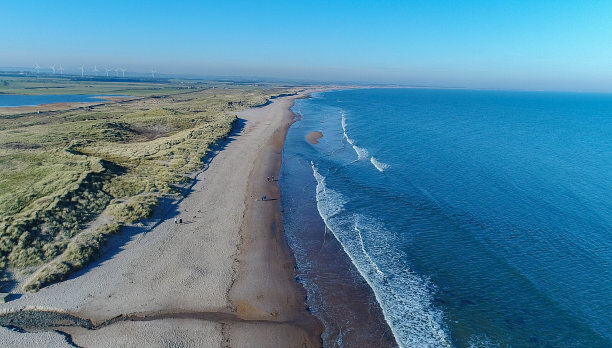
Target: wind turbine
{"points": [[37, 68], [95, 70], [52, 68], [116, 72], [107, 70], [153, 72], [123, 72], [82, 70], [61, 69]]}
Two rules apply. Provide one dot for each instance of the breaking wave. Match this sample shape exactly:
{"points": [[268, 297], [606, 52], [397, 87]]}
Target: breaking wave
{"points": [[379, 165], [404, 296], [362, 153]]}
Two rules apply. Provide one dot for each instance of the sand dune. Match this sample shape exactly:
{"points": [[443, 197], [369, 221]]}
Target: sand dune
{"points": [[223, 277]]}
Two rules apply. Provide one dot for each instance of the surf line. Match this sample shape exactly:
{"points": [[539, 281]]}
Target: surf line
{"points": [[365, 252], [362, 153], [379, 165]]}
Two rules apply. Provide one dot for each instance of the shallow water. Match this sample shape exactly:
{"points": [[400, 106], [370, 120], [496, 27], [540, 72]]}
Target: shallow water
{"points": [[337, 294], [478, 218]]}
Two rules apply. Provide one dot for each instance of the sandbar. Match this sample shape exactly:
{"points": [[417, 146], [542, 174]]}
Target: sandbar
{"points": [[313, 137]]}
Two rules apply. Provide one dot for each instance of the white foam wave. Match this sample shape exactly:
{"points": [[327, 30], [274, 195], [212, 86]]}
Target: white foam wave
{"points": [[365, 252], [343, 122], [378, 164], [405, 297], [334, 200], [362, 153]]}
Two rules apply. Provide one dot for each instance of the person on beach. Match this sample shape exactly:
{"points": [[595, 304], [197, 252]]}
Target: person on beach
{"points": [[180, 220], [272, 177], [268, 178], [175, 220]]}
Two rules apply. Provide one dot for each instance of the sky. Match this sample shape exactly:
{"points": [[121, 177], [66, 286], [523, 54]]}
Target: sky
{"points": [[511, 44]]}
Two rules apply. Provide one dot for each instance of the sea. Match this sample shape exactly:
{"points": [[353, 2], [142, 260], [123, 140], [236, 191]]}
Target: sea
{"points": [[16, 100], [476, 218]]}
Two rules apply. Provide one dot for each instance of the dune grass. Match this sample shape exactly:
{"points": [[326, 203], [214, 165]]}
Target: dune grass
{"points": [[60, 170], [76, 255]]}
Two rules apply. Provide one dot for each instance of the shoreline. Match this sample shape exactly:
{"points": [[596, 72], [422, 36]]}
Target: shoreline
{"points": [[264, 287], [338, 293]]}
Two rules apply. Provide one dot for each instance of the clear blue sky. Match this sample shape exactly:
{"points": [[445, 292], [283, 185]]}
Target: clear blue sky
{"points": [[558, 45]]}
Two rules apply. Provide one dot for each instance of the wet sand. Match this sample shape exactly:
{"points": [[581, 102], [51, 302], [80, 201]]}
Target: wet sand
{"points": [[264, 288]]}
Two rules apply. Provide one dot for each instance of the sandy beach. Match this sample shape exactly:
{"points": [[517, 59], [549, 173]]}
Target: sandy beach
{"points": [[224, 277]]}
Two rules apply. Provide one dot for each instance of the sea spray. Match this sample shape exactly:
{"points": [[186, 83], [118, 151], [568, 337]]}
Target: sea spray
{"points": [[405, 297]]}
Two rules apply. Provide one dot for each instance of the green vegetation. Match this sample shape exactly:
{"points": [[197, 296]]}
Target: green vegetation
{"points": [[130, 211], [55, 84], [79, 252], [60, 170]]}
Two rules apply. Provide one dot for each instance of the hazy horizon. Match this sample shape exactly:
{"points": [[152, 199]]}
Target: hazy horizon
{"points": [[562, 46]]}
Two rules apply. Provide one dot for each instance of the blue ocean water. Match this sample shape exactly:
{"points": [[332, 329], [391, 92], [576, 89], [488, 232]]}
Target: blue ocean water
{"points": [[479, 218], [15, 100]]}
